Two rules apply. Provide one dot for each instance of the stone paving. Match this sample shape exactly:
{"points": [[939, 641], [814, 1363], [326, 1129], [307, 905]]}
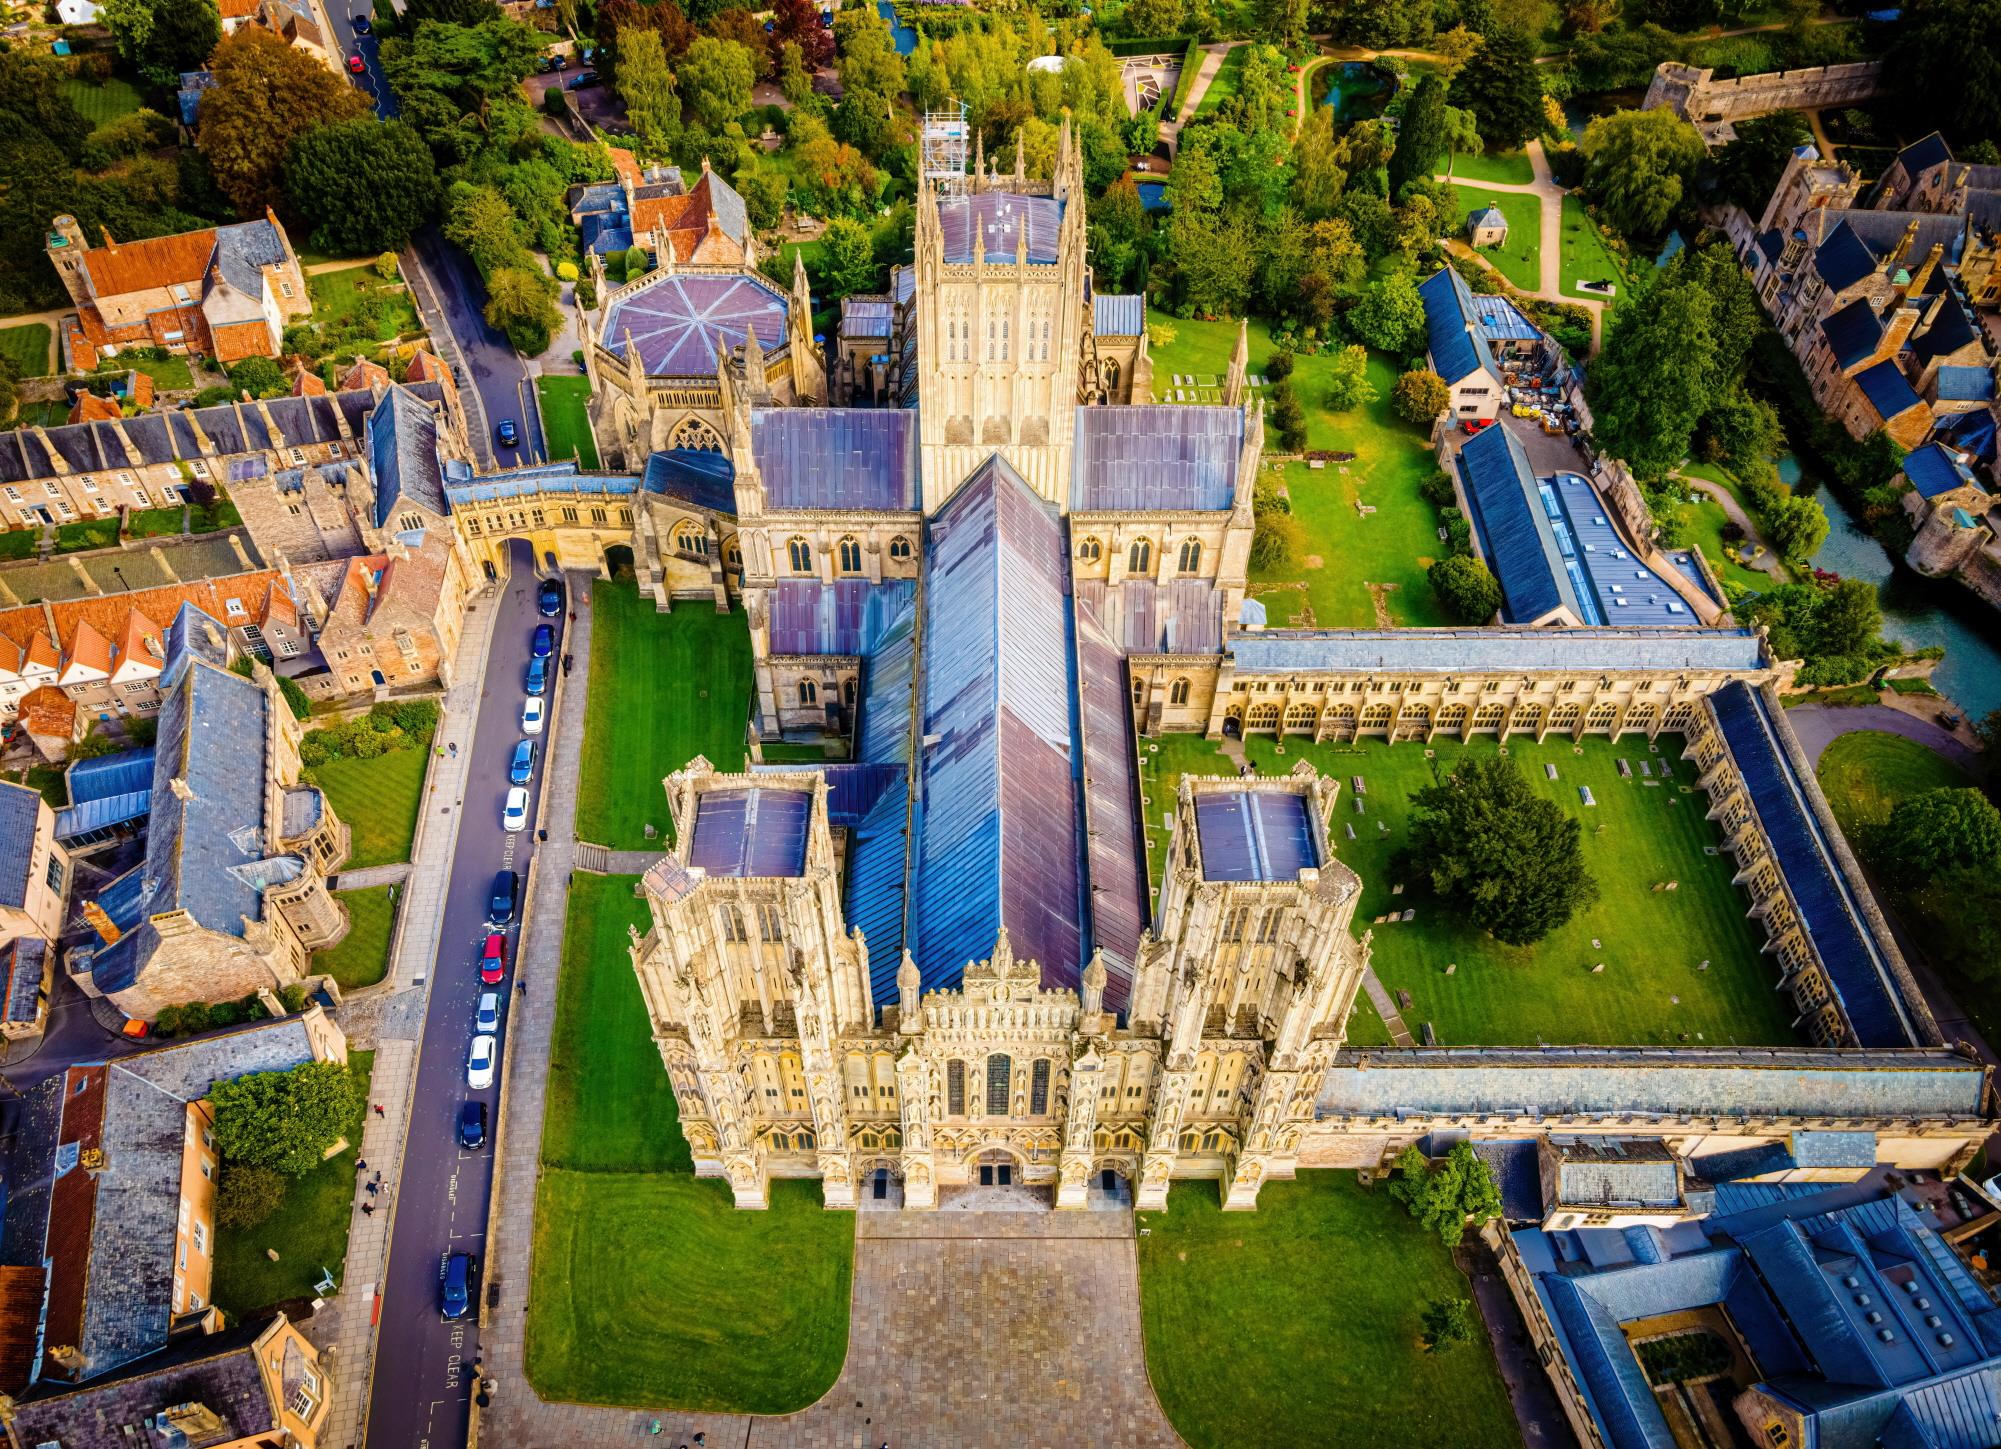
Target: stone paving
{"points": [[373, 875]]}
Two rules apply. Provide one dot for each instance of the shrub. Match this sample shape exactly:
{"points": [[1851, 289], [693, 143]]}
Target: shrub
{"points": [[301, 706], [1275, 541], [1466, 587], [294, 998], [386, 267], [417, 718], [1458, 534], [247, 1195], [566, 271], [1279, 368], [1437, 490]]}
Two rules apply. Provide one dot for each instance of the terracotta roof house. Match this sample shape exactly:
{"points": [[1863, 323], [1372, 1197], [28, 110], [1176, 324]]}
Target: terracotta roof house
{"points": [[226, 291], [653, 208], [90, 408]]}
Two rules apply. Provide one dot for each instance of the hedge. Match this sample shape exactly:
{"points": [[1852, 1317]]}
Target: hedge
{"points": [[1150, 45], [389, 726], [1191, 66]]}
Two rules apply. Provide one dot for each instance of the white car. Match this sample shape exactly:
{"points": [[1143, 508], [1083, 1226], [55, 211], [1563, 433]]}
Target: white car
{"points": [[531, 716], [514, 814], [479, 1063], [487, 1018]]}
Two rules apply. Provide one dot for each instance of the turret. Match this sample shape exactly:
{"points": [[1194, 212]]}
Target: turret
{"points": [[1240, 363], [66, 247]]}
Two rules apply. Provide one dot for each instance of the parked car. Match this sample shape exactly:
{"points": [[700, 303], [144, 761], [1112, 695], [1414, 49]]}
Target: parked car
{"points": [[514, 814], [357, 65], [537, 678], [507, 433], [479, 1063], [549, 598], [486, 1018], [493, 959], [583, 80], [522, 768], [543, 642], [500, 900], [531, 717], [455, 1295], [472, 1126], [363, 26]]}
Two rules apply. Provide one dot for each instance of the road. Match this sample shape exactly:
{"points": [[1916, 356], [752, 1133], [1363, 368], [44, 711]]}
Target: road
{"points": [[448, 291], [421, 1394]]}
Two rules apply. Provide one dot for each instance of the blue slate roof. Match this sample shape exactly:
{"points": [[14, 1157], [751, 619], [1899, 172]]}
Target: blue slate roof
{"points": [[755, 832], [997, 837], [1888, 390], [694, 475], [812, 617], [1842, 260], [243, 251], [1920, 156], [1853, 333], [107, 775], [1772, 244], [1516, 534], [1857, 970], [102, 814], [1160, 456], [1932, 471], [1118, 314], [20, 812], [402, 442], [1452, 329], [1255, 835], [867, 316], [1960, 382], [836, 458], [1452, 651], [1950, 327], [1970, 432]]}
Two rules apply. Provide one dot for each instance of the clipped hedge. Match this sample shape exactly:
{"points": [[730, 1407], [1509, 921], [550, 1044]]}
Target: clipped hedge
{"points": [[1191, 66], [389, 726], [1149, 45]]}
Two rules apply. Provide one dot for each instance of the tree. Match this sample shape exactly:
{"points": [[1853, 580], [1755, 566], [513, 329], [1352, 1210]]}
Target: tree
{"points": [[285, 1121], [1420, 395], [1989, 730], [518, 303], [1815, 621], [647, 86], [1967, 106], [162, 38], [1654, 377], [1512, 859], [1379, 24], [35, 101], [1462, 136], [449, 78], [868, 57], [797, 22], [1421, 140], [1449, 1194], [245, 1196], [266, 95], [1319, 170], [1156, 17], [1747, 168], [718, 75], [1467, 588], [1348, 385], [1797, 525], [258, 376], [795, 83], [453, 12], [362, 186], [1390, 316], [1635, 166], [480, 222], [1282, 22], [1499, 85], [847, 258], [1449, 1322], [1937, 831]]}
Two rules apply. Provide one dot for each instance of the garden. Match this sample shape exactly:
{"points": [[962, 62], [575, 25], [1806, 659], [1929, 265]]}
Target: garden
{"points": [[566, 419], [361, 957], [372, 769], [27, 348], [355, 310], [1519, 258]]}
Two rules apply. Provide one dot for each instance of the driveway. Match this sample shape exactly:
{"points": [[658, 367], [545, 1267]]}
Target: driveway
{"points": [[1819, 725]]}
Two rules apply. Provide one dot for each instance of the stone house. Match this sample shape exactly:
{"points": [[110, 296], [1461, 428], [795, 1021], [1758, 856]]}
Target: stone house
{"points": [[301, 24], [34, 869], [1458, 349], [1487, 227]]}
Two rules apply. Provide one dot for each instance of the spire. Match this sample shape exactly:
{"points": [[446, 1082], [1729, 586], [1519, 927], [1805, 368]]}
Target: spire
{"points": [[909, 1012], [1020, 163], [802, 295], [1240, 362], [979, 159], [1065, 145]]}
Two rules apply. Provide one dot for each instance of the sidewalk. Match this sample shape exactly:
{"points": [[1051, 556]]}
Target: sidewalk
{"points": [[347, 1322]]}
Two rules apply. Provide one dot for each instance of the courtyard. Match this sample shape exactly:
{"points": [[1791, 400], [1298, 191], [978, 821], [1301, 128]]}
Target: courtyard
{"points": [[377, 800]]}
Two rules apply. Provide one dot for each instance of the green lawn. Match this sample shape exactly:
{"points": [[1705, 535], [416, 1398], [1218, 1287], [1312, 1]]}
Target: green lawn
{"points": [[352, 305], [1650, 941], [378, 799], [362, 957], [169, 374], [86, 533], [27, 347], [1162, 763], [1585, 255], [1344, 551], [756, 1317], [663, 689], [1520, 260], [19, 542], [154, 522], [98, 102], [309, 1229], [566, 421], [1223, 84], [1300, 1323], [1509, 168], [1866, 773], [1705, 531]]}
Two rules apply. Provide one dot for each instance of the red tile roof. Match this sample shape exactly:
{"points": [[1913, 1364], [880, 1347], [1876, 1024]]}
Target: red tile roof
{"points": [[161, 261], [90, 408]]}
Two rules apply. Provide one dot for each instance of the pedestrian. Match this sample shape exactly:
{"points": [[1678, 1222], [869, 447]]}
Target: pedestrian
{"points": [[360, 1165], [454, 748], [378, 1177], [368, 1209], [378, 1110], [373, 1189]]}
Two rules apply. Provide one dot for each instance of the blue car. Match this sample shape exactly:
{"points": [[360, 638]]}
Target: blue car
{"points": [[549, 599], [455, 1295], [507, 433], [537, 678], [544, 642], [523, 765]]}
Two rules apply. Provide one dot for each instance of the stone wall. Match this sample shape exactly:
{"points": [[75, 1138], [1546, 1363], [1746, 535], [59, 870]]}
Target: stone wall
{"points": [[1695, 95]]}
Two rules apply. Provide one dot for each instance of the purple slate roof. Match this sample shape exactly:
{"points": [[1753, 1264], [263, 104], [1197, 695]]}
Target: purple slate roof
{"points": [[756, 832], [1254, 835], [997, 217], [811, 617], [837, 458], [1115, 844], [1184, 616], [1159, 456], [680, 323]]}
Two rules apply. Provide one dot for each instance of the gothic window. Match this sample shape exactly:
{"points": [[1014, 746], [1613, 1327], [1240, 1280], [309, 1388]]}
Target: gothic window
{"points": [[1038, 1087], [1111, 371], [733, 924], [689, 538], [809, 692], [1265, 717], [1233, 923], [1177, 692], [848, 691], [1191, 556], [802, 556], [411, 523], [732, 557], [850, 555], [899, 548], [770, 925], [1090, 550], [696, 434], [1268, 928], [1139, 558], [1139, 692], [1000, 1074], [955, 1089]]}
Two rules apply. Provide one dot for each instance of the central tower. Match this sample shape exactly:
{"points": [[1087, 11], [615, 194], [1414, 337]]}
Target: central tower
{"points": [[1002, 302]]}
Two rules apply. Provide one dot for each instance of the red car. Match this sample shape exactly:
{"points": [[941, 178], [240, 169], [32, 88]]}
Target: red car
{"points": [[493, 960], [356, 64]]}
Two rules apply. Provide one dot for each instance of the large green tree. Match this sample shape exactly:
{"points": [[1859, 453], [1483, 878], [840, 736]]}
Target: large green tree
{"points": [[1348, 385], [1467, 588], [1938, 831], [1450, 1195], [1502, 89], [717, 76], [652, 103], [1748, 167], [1420, 395], [1390, 316], [1636, 164], [446, 74], [1487, 844], [1798, 526], [162, 38], [362, 185], [847, 258], [1421, 139], [266, 95], [285, 1121], [1655, 377], [1945, 67], [519, 302]]}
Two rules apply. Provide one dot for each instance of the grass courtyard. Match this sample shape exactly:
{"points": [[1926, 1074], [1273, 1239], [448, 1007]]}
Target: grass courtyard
{"points": [[309, 1229], [663, 689], [86, 533], [361, 958], [101, 101], [378, 799], [27, 347], [1866, 774], [1509, 168], [1586, 257], [1299, 1323], [757, 1320], [1519, 259], [566, 421]]}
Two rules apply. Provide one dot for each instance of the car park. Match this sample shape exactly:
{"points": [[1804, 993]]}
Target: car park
{"points": [[486, 1016], [500, 900], [493, 959], [521, 768], [537, 677], [543, 644], [514, 813], [531, 717], [549, 599], [508, 435], [472, 1126], [583, 80], [455, 1286], [479, 1063]]}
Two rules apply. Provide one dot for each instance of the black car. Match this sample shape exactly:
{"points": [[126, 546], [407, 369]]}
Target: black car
{"points": [[549, 599], [543, 642], [500, 903], [472, 1126], [362, 25], [583, 80]]}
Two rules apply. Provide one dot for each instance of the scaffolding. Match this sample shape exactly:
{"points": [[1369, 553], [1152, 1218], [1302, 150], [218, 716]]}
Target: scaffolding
{"points": [[946, 137]]}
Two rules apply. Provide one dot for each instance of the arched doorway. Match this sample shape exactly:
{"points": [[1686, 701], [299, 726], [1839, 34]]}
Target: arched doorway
{"points": [[618, 561]]}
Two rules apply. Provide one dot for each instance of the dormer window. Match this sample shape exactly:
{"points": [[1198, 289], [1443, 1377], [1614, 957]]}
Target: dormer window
{"points": [[234, 608]]}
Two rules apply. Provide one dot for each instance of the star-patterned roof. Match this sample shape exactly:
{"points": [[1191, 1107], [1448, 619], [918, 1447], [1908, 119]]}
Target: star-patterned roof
{"points": [[679, 323]]}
